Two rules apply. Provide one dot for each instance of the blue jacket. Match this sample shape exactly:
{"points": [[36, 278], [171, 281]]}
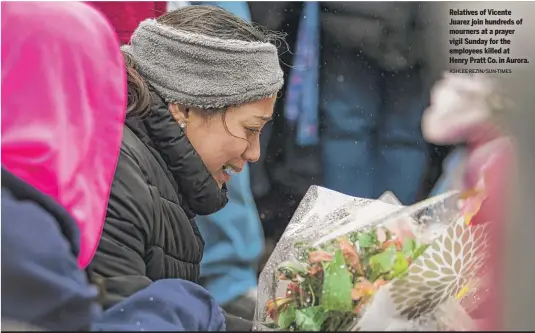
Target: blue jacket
{"points": [[43, 286], [166, 305]]}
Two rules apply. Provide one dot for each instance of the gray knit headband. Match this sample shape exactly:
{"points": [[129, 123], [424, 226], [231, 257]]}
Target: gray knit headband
{"points": [[202, 71]]}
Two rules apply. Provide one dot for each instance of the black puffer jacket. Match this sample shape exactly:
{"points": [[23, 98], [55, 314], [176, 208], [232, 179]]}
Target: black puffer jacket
{"points": [[159, 185]]}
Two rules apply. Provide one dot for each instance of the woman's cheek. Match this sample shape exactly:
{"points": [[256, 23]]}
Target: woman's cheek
{"points": [[237, 148]]}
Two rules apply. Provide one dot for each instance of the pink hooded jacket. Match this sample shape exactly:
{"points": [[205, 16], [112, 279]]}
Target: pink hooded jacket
{"points": [[63, 107]]}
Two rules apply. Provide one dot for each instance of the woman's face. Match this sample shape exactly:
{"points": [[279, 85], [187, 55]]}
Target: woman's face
{"points": [[227, 140]]}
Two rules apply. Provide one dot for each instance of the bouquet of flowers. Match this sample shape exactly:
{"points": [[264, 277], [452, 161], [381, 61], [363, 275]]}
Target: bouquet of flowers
{"points": [[354, 264]]}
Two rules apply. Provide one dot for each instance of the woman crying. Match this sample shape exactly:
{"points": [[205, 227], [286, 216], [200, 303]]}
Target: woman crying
{"points": [[202, 83]]}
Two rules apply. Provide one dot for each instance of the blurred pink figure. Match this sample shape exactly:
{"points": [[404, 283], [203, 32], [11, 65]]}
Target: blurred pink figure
{"points": [[465, 109], [63, 108], [468, 109]]}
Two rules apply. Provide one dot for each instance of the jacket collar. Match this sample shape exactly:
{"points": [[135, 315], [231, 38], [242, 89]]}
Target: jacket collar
{"points": [[197, 186]]}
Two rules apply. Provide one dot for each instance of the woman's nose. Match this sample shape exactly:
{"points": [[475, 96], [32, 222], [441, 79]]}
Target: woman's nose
{"points": [[252, 154]]}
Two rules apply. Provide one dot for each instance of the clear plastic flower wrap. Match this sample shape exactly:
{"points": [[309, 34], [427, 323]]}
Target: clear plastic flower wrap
{"points": [[350, 264]]}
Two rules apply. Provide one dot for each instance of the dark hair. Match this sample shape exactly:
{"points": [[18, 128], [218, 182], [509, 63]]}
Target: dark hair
{"points": [[205, 20]]}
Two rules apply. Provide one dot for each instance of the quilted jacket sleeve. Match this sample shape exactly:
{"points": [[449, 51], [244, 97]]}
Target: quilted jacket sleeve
{"points": [[119, 260]]}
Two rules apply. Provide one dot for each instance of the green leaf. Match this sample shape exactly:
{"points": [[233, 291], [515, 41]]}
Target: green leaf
{"points": [[331, 246], [336, 294], [401, 264], [287, 317], [309, 319], [291, 268], [271, 325], [367, 239], [353, 236], [383, 262], [420, 249], [409, 245]]}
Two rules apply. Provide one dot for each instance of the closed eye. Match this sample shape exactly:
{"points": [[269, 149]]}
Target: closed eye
{"points": [[253, 130]]}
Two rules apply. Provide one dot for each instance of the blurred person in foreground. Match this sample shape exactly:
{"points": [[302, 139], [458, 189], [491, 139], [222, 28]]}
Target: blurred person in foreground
{"points": [[472, 110], [63, 109], [468, 111], [233, 237], [203, 83], [510, 306]]}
